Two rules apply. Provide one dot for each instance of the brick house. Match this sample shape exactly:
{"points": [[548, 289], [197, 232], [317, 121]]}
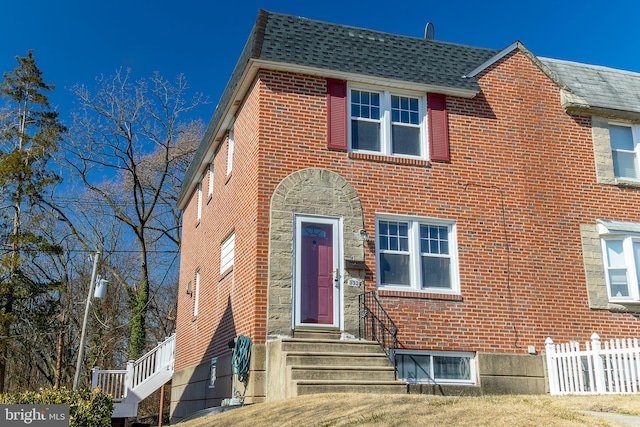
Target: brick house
{"points": [[487, 198]]}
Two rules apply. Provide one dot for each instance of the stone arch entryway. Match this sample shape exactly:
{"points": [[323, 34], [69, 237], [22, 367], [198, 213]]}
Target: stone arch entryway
{"points": [[312, 191]]}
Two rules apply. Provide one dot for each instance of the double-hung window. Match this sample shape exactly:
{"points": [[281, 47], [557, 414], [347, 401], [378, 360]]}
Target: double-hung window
{"points": [[625, 148], [416, 254], [196, 293], [210, 186], [230, 149], [387, 123], [621, 255], [199, 207]]}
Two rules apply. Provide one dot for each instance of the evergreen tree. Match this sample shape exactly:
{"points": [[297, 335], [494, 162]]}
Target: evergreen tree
{"points": [[29, 133]]}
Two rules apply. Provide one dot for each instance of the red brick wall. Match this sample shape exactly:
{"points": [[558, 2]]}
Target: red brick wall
{"points": [[227, 302], [521, 171]]}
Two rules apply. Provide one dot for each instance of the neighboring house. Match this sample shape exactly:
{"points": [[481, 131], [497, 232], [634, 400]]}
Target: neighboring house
{"points": [[490, 199]]}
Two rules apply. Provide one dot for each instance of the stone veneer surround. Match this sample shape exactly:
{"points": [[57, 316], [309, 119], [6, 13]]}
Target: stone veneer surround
{"points": [[312, 191]]}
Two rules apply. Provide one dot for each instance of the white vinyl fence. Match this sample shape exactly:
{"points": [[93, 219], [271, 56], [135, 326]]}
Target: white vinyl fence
{"points": [[601, 368]]}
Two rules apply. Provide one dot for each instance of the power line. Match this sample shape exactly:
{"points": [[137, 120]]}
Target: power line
{"points": [[93, 251]]}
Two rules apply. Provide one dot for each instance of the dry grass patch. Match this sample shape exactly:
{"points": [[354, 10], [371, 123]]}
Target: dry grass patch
{"points": [[346, 410]]}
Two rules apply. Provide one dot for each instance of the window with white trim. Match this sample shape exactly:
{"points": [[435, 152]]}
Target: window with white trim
{"points": [[199, 214], [227, 252], [416, 254], [196, 293], [230, 149], [210, 187], [625, 150], [387, 123], [437, 367], [621, 255]]}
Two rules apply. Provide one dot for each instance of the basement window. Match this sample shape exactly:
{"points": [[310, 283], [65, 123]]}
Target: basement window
{"points": [[436, 367]]}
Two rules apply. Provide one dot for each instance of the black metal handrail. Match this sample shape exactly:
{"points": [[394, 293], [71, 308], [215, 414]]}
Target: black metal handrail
{"points": [[376, 324]]}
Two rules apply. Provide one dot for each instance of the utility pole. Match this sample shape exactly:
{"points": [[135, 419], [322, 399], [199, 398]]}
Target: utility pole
{"points": [[76, 380]]}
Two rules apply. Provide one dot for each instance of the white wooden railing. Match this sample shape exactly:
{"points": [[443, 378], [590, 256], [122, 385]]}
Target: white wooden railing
{"points": [[598, 369], [156, 359], [113, 382], [141, 376]]}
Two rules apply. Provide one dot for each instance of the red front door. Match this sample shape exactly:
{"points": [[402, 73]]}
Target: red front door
{"points": [[316, 275]]}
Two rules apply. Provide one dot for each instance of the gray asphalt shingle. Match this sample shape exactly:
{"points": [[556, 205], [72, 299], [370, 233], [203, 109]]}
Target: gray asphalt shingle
{"points": [[300, 41], [293, 40]]}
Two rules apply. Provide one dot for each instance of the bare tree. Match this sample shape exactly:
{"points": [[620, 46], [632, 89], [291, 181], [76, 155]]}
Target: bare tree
{"points": [[127, 146]]}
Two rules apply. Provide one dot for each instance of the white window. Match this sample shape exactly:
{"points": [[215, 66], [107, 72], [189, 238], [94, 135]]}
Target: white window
{"points": [[227, 252], [391, 124], [622, 266], [625, 151], [199, 202], [436, 367], [196, 293], [230, 152], [416, 254], [210, 187]]}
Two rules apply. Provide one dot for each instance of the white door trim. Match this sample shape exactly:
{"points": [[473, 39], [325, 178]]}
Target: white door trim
{"points": [[338, 262]]}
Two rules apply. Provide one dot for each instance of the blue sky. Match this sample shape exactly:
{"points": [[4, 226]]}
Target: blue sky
{"points": [[76, 40]]}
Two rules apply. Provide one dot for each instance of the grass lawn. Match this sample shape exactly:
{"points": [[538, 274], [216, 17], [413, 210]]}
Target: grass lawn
{"points": [[341, 410]]}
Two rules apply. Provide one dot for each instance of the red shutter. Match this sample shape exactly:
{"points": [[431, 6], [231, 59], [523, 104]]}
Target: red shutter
{"points": [[438, 127], [337, 115]]}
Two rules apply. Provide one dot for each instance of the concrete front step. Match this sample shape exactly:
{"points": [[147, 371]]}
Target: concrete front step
{"points": [[334, 386], [329, 345], [336, 359], [343, 373], [317, 334]]}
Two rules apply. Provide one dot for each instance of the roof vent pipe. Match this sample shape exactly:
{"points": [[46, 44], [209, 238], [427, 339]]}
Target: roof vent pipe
{"points": [[429, 31]]}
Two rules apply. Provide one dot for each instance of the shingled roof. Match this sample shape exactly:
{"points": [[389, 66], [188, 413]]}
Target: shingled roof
{"points": [[323, 45], [601, 88], [314, 45]]}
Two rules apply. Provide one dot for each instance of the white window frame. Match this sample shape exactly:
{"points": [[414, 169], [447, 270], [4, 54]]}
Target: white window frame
{"points": [[630, 266], [230, 149], [196, 293], [227, 253], [431, 380], [385, 120], [210, 187], [415, 254], [635, 134], [199, 213]]}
